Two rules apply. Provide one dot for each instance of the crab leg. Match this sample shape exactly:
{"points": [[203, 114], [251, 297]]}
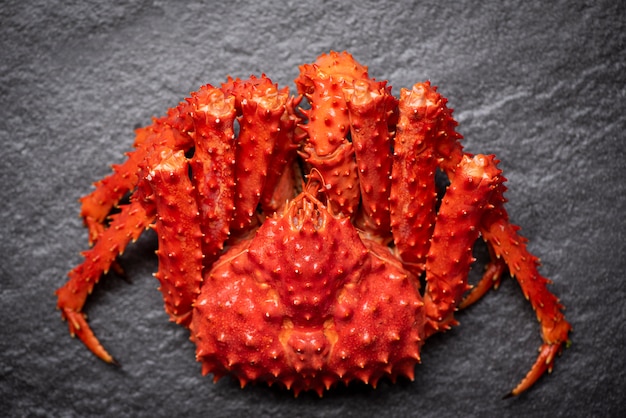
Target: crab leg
{"points": [[168, 132], [179, 236], [278, 180], [450, 255], [213, 166], [125, 226], [491, 278], [262, 108], [281, 178], [369, 111], [423, 128], [328, 149], [522, 265]]}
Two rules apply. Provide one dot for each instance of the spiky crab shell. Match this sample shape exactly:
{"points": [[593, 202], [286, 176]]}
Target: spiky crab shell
{"points": [[307, 303]]}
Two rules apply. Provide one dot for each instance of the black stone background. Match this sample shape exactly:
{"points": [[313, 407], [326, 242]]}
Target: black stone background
{"points": [[540, 84]]}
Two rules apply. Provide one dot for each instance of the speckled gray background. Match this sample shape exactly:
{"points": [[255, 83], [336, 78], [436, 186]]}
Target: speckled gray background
{"points": [[541, 85]]}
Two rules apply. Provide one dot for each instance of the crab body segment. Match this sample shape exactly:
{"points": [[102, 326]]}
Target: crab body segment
{"points": [[293, 250]]}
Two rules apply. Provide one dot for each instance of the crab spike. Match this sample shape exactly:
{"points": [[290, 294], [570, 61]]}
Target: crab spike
{"points": [[95, 206], [125, 226], [179, 235], [369, 110], [450, 254], [509, 246]]}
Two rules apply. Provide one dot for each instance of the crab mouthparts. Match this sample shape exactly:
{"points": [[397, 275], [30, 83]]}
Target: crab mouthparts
{"points": [[306, 213]]}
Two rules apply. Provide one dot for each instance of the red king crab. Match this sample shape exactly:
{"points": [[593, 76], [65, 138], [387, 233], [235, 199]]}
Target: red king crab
{"points": [[292, 241]]}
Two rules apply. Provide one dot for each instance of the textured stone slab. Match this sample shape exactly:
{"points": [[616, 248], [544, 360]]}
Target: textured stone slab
{"points": [[542, 86]]}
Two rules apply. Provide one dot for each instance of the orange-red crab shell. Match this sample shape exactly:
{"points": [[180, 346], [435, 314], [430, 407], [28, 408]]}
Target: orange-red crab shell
{"points": [[308, 285]]}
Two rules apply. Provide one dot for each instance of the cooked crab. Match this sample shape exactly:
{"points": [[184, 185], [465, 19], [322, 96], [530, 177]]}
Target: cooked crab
{"points": [[292, 241]]}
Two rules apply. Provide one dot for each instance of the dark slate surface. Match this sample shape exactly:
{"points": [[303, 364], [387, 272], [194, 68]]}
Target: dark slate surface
{"points": [[542, 86]]}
